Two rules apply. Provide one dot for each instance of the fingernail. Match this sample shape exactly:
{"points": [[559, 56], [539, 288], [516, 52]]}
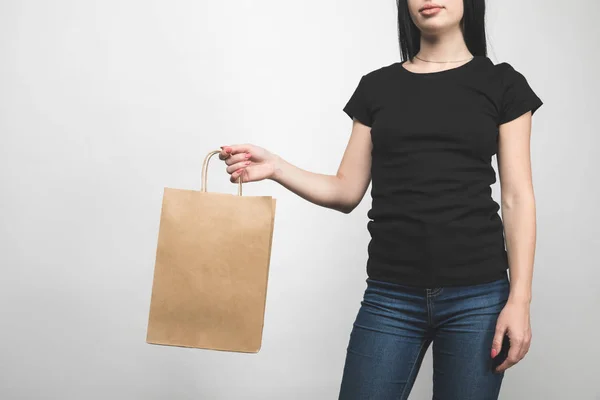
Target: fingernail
{"points": [[247, 162], [493, 353], [228, 149], [248, 155]]}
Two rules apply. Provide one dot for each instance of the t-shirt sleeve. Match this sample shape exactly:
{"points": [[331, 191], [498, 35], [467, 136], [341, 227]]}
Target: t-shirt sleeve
{"points": [[517, 97], [358, 105]]}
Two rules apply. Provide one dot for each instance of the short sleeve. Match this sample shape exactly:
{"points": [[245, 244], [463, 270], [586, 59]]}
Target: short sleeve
{"points": [[517, 96], [358, 104]]}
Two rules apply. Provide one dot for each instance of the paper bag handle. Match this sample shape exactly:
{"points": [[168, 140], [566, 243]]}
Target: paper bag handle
{"points": [[205, 172]]}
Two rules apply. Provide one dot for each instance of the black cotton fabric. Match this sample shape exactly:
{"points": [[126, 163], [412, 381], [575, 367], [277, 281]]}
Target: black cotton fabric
{"points": [[433, 221]]}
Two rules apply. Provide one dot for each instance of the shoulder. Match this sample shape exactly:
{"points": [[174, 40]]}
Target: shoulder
{"points": [[381, 73], [517, 95], [506, 73], [486, 65], [501, 75], [503, 66], [375, 81]]}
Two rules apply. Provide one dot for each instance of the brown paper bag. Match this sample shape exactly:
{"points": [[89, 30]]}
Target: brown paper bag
{"points": [[211, 271]]}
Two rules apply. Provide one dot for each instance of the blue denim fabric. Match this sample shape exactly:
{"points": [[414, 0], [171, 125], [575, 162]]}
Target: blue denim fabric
{"points": [[395, 326]]}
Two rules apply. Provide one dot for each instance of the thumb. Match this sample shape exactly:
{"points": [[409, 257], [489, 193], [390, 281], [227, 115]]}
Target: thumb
{"points": [[497, 342]]}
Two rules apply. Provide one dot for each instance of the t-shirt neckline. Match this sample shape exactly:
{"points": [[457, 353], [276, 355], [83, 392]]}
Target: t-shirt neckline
{"points": [[445, 72]]}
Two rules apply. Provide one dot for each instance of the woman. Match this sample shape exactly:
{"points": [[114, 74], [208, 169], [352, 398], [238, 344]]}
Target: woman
{"points": [[424, 131]]}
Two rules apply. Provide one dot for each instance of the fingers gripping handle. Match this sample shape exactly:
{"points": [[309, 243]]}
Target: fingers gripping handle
{"points": [[205, 172]]}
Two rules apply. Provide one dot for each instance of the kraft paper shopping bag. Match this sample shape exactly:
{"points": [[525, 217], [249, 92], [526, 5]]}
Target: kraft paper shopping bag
{"points": [[211, 270]]}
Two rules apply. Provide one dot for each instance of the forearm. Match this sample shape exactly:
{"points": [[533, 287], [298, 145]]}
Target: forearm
{"points": [[518, 214], [320, 189]]}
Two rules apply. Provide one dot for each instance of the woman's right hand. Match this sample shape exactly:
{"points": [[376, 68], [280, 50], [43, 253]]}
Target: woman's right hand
{"points": [[342, 191], [250, 162]]}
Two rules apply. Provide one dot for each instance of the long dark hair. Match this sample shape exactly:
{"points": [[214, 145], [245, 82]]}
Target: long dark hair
{"points": [[473, 27]]}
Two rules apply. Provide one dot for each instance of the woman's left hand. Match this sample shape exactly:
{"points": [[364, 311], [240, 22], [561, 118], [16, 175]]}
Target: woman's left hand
{"points": [[513, 321]]}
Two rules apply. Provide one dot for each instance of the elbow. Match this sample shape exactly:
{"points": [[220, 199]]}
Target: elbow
{"points": [[346, 197], [346, 210], [512, 200], [347, 207]]}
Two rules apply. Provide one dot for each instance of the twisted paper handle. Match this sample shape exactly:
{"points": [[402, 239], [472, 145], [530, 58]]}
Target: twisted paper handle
{"points": [[205, 172]]}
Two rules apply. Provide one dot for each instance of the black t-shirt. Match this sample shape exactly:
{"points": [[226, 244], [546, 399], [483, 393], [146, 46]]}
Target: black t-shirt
{"points": [[433, 221]]}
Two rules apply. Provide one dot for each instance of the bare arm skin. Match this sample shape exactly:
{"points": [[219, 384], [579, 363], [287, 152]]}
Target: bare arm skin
{"points": [[518, 203], [342, 191], [519, 216]]}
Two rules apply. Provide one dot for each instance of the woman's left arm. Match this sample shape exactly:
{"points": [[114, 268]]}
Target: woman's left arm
{"points": [[519, 216]]}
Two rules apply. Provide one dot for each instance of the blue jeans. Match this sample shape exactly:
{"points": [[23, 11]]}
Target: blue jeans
{"points": [[395, 326]]}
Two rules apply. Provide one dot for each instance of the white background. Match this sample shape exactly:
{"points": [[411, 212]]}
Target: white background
{"points": [[103, 103]]}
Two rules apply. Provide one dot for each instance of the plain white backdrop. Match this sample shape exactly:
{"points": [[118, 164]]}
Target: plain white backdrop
{"points": [[104, 103]]}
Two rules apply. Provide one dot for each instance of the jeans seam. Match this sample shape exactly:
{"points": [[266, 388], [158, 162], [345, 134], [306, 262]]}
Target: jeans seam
{"points": [[429, 311], [410, 378]]}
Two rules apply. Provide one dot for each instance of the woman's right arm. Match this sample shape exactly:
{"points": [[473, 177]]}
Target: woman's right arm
{"points": [[342, 191]]}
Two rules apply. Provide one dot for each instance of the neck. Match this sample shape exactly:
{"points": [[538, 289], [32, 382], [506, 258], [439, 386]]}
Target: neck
{"points": [[449, 46]]}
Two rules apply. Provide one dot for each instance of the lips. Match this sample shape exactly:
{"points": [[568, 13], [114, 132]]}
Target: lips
{"points": [[429, 6]]}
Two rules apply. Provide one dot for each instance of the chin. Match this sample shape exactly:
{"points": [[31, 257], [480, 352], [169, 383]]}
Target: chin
{"points": [[434, 26]]}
